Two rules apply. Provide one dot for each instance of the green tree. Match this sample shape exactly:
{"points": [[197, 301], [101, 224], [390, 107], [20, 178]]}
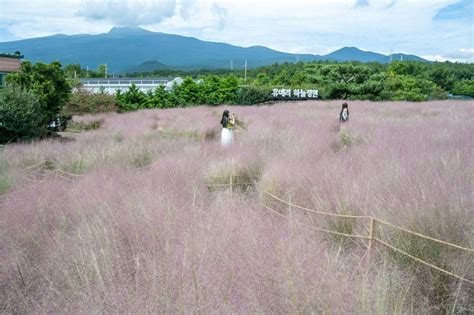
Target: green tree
{"points": [[228, 88], [132, 99], [282, 79], [73, 71], [262, 79], [404, 87], [249, 95], [88, 103], [442, 77], [47, 82], [21, 115], [372, 88], [188, 92], [464, 87], [101, 70], [162, 97], [209, 90], [299, 79]]}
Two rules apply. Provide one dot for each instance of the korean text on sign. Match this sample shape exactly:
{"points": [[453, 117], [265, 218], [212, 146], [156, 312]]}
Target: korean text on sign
{"points": [[298, 93]]}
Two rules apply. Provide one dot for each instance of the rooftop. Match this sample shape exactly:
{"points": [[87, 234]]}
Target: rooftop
{"points": [[17, 55]]}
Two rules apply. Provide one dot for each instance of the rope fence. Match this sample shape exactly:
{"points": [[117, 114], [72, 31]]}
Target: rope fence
{"points": [[372, 238], [316, 228], [231, 182], [372, 222], [422, 261], [46, 167], [424, 236]]}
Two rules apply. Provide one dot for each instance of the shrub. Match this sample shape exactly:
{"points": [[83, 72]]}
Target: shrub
{"points": [[346, 138], [142, 159], [211, 134], [76, 166], [176, 134], [244, 178], [5, 184], [464, 87], [83, 126], [88, 103], [45, 81], [248, 95], [342, 225], [21, 115], [436, 284], [132, 99]]}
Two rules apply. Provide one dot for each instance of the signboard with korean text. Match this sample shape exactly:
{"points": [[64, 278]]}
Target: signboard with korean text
{"points": [[294, 94]]}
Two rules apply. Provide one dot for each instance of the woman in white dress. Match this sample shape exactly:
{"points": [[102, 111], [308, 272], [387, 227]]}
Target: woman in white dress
{"points": [[227, 123]]}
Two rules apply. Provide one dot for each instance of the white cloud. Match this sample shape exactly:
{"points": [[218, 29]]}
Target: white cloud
{"points": [[127, 12], [439, 58], [301, 26], [461, 55], [467, 50]]}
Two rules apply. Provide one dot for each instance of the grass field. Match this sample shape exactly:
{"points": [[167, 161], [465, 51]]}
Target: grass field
{"points": [[141, 230]]}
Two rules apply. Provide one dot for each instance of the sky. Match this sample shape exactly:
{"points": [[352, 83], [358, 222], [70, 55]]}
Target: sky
{"points": [[434, 29]]}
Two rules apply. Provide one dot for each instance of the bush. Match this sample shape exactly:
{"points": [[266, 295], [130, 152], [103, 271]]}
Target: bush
{"points": [[210, 90], [248, 95], [436, 285], [132, 99], [142, 159], [5, 184], [83, 126], [464, 87], [244, 178], [88, 103], [47, 82], [21, 115]]}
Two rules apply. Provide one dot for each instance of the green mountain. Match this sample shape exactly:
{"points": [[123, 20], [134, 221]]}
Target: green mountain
{"points": [[355, 54], [148, 66], [129, 48]]}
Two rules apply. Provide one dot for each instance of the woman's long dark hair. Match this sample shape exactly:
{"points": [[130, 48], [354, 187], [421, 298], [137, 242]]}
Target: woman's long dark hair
{"points": [[344, 105], [225, 118]]}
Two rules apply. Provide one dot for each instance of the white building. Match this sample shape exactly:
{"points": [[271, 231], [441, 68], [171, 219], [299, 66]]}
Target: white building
{"points": [[111, 85]]}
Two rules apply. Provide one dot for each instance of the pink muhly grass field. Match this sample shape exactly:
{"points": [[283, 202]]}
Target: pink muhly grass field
{"points": [[141, 231]]}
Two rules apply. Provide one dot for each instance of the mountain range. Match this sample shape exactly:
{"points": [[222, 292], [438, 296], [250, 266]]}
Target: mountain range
{"points": [[134, 49]]}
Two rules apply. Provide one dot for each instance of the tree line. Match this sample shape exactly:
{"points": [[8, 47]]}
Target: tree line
{"points": [[398, 80], [40, 94]]}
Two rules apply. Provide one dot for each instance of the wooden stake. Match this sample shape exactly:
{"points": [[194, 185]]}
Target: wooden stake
{"points": [[289, 208], [371, 239], [371, 232]]}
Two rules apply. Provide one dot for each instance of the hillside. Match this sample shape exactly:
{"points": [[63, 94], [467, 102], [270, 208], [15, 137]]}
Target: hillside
{"points": [[124, 48]]}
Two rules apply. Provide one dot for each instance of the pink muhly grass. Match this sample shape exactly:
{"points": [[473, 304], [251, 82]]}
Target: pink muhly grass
{"points": [[140, 231]]}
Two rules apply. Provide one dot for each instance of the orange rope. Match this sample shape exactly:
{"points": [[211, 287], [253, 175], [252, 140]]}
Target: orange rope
{"points": [[422, 261]]}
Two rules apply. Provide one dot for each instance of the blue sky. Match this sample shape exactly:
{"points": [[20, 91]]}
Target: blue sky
{"points": [[435, 29]]}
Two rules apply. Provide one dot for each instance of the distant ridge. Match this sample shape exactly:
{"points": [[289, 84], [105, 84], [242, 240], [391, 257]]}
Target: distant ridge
{"points": [[148, 66], [355, 54], [132, 48]]}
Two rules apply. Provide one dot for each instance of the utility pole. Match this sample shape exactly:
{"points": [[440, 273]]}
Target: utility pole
{"points": [[87, 71], [106, 71], [232, 65], [245, 72]]}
